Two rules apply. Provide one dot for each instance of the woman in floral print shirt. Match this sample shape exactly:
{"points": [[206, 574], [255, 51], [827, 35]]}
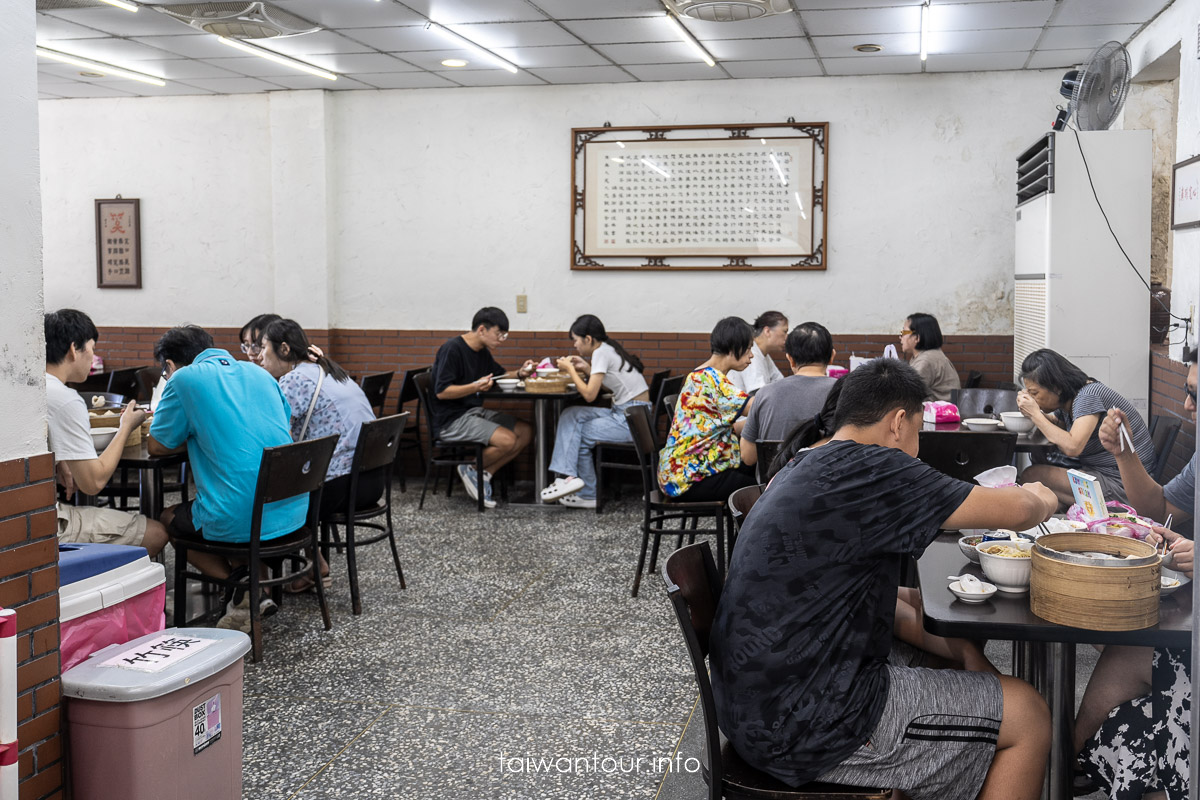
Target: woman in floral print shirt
{"points": [[702, 459]]}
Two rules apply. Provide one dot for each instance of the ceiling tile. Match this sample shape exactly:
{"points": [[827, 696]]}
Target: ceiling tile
{"points": [[405, 80], [312, 44], [146, 90], [769, 27], [893, 44], [798, 68], [346, 14], [1085, 36], [89, 90], [975, 62], [590, 9], [656, 53], [50, 73], [449, 12], [696, 71], [432, 59], [1051, 59], [979, 16], [758, 49], [494, 77], [620, 31], [146, 22], [1000, 40], [584, 75], [48, 96], [863, 20], [182, 69], [551, 57], [50, 28], [515, 34], [842, 5], [298, 80], [118, 52], [187, 46], [345, 63], [253, 66], [396, 40], [874, 65], [234, 85], [1107, 12]]}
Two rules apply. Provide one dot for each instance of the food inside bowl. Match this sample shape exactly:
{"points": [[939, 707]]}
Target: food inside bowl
{"points": [[1006, 550], [1169, 583]]}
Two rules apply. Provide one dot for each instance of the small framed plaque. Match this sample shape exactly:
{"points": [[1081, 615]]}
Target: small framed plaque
{"points": [[1185, 194], [118, 244]]}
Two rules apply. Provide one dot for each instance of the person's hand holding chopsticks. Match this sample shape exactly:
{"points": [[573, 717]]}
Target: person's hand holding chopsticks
{"points": [[1114, 433], [1181, 548]]}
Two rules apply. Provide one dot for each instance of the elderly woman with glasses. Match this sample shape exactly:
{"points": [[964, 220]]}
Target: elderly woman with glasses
{"points": [[921, 345]]}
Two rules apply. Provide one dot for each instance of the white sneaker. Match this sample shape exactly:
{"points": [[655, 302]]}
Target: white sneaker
{"points": [[575, 501], [561, 488]]}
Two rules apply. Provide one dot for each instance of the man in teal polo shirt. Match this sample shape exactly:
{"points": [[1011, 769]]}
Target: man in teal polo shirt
{"points": [[226, 412]]}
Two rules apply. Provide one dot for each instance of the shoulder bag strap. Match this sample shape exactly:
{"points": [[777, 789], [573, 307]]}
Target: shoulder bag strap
{"points": [[312, 404]]}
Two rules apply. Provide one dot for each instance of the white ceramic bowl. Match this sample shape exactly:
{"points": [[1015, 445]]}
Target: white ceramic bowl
{"points": [[982, 424], [1016, 422], [967, 545], [544, 371], [507, 384], [1180, 581], [971, 597], [1009, 574], [102, 436]]}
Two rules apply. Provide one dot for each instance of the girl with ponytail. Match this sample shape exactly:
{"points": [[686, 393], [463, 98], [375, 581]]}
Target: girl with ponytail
{"points": [[611, 367]]}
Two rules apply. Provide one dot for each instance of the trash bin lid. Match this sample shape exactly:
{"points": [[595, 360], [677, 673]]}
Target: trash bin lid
{"points": [[155, 664], [77, 562]]}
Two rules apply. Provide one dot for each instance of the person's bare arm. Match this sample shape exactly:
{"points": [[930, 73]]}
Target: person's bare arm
{"points": [[1070, 442], [1145, 494], [588, 383], [459, 391], [92, 474], [749, 452], [1013, 507]]}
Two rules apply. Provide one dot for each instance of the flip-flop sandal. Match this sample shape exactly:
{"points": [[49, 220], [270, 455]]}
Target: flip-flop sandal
{"points": [[305, 584]]}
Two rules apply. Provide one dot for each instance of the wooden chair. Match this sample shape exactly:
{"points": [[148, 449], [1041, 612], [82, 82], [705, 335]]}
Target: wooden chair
{"points": [[984, 402], [124, 382], [741, 501], [444, 453], [669, 395], [375, 386], [974, 379], [147, 379], [604, 452], [286, 471], [411, 438], [767, 448], [1163, 432], [965, 454], [694, 586], [375, 450], [657, 508]]}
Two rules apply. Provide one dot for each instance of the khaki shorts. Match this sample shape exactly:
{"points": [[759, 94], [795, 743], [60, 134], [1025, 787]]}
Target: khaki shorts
{"points": [[87, 524]]}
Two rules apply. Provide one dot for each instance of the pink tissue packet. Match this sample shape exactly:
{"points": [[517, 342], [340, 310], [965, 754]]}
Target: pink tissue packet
{"points": [[940, 411]]}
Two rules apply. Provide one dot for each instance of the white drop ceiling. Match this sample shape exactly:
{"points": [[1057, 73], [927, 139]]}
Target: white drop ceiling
{"points": [[384, 44]]}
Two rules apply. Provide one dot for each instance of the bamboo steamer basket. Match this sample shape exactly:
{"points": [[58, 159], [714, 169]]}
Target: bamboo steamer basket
{"points": [[1114, 595], [113, 420], [553, 385]]}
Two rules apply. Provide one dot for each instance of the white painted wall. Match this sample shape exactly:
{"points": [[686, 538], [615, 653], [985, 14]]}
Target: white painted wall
{"points": [[1178, 25], [22, 343], [440, 201]]}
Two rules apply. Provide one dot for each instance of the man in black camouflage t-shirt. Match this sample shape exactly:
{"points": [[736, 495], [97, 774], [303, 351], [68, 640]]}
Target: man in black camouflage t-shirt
{"points": [[802, 635]]}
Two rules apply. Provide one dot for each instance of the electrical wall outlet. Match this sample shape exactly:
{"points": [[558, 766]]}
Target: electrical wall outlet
{"points": [[522, 304]]}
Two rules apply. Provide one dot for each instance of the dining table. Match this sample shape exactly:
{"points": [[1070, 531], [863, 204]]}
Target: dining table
{"points": [[149, 469], [1033, 441], [546, 410], [1043, 652]]}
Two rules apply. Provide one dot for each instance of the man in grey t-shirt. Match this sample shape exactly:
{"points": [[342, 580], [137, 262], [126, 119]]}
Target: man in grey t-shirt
{"points": [[1144, 493], [779, 407]]}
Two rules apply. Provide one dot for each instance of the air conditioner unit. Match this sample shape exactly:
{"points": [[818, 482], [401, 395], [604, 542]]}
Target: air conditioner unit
{"points": [[1074, 292], [249, 19], [728, 10]]}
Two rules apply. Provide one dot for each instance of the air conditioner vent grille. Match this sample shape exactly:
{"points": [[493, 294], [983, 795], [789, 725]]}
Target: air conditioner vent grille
{"points": [[245, 20], [1035, 170]]}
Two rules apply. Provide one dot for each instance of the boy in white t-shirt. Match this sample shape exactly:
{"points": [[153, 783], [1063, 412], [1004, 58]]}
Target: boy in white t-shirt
{"points": [[70, 341], [581, 427]]}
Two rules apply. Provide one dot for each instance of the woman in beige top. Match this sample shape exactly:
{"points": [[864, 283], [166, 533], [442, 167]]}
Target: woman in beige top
{"points": [[921, 344]]}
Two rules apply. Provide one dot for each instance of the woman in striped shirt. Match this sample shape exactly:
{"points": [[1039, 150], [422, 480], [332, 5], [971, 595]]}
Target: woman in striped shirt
{"points": [[1067, 407]]}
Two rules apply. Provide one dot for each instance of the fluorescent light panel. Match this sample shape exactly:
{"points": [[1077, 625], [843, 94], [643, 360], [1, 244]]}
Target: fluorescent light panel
{"points": [[462, 41], [100, 66], [686, 35], [279, 59], [121, 4]]}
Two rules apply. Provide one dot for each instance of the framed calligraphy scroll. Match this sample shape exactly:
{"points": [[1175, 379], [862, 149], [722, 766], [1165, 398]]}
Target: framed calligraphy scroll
{"points": [[1185, 194], [706, 197], [118, 244]]}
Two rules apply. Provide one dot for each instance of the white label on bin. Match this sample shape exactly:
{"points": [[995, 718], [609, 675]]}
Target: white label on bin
{"points": [[156, 655], [206, 723]]}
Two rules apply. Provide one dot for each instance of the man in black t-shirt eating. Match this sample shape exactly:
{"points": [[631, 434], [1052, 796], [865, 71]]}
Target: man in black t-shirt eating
{"points": [[802, 636], [462, 369]]}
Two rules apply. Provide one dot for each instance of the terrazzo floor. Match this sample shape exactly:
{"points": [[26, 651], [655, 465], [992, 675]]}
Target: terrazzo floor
{"points": [[514, 666]]}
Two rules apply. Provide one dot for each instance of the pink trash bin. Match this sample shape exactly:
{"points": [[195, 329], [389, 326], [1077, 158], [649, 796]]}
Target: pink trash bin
{"points": [[158, 718]]}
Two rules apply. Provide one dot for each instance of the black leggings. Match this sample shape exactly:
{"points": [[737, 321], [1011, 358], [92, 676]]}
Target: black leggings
{"points": [[337, 492], [719, 486]]}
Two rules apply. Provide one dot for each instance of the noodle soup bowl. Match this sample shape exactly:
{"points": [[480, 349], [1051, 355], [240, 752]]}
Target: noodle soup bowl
{"points": [[1009, 573]]}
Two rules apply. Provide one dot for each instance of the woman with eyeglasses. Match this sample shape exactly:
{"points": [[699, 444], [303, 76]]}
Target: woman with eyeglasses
{"points": [[1067, 407], [251, 336], [324, 402], [921, 345]]}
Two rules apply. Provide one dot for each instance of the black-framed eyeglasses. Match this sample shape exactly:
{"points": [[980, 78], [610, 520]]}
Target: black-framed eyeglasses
{"points": [[1191, 392]]}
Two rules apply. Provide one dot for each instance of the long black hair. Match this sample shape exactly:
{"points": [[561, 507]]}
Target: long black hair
{"points": [[289, 332], [809, 432], [590, 325], [1050, 370]]}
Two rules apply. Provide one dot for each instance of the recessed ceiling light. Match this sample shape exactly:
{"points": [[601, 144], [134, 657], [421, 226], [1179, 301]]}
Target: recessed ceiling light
{"points": [[868, 48], [91, 74], [454, 62]]}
